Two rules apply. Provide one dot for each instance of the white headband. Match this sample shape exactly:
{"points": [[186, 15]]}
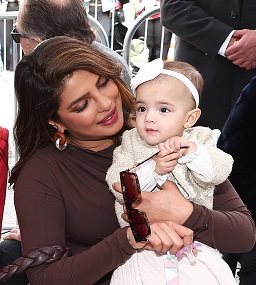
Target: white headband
{"points": [[152, 69]]}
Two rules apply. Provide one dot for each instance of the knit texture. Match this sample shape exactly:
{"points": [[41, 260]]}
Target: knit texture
{"points": [[209, 268], [146, 267]]}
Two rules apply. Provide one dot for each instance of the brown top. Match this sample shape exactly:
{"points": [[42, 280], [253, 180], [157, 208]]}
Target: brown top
{"points": [[62, 198]]}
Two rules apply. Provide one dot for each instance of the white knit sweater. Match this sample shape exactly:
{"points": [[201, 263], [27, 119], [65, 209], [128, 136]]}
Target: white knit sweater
{"points": [[146, 267]]}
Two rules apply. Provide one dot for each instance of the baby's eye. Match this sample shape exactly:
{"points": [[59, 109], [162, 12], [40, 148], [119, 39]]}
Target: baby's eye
{"points": [[164, 110], [141, 109]]}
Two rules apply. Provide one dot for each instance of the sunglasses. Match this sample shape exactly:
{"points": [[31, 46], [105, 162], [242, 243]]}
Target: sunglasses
{"points": [[137, 219], [131, 193], [16, 36]]}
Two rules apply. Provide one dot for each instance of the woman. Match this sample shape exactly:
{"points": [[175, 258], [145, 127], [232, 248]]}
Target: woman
{"points": [[61, 197], [87, 107]]}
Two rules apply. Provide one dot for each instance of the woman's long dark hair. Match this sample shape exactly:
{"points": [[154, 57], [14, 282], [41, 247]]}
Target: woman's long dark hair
{"points": [[39, 81]]}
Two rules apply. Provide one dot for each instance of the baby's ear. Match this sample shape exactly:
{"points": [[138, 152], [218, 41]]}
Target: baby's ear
{"points": [[192, 117]]}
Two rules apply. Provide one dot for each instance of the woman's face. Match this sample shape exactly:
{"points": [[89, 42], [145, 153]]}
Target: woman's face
{"points": [[90, 110]]}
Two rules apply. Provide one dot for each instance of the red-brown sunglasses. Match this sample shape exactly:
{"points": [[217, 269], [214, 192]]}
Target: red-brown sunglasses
{"points": [[137, 219]]}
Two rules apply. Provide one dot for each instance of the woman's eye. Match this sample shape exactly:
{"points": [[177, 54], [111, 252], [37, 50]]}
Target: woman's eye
{"points": [[79, 110], [103, 82], [164, 110], [141, 109]]}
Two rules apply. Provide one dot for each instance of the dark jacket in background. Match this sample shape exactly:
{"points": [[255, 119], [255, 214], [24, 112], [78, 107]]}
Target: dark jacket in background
{"points": [[238, 138], [202, 26]]}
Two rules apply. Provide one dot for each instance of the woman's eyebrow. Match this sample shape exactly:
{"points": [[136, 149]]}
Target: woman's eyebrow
{"points": [[76, 101], [82, 97]]}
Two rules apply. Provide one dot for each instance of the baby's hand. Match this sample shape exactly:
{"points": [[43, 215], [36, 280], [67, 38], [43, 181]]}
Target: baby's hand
{"points": [[166, 160], [175, 144], [170, 151]]}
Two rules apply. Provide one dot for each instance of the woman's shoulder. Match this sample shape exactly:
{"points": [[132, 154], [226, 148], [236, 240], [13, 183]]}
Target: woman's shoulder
{"points": [[41, 168], [51, 161], [45, 156], [45, 153]]}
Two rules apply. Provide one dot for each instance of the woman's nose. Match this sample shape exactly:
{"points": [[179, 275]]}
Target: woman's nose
{"points": [[104, 103]]}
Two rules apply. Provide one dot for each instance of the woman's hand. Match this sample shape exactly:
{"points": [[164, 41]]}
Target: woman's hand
{"points": [[165, 205], [165, 236], [168, 236]]}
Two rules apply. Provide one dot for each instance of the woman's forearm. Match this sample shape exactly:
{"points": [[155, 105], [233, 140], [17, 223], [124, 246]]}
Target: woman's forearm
{"points": [[230, 227]]}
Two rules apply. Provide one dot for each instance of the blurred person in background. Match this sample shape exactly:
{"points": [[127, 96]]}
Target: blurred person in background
{"points": [[12, 5], [238, 139], [218, 38], [36, 22], [154, 32]]}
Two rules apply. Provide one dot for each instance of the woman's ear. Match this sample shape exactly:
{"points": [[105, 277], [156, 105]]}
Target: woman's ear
{"points": [[192, 118], [56, 125]]}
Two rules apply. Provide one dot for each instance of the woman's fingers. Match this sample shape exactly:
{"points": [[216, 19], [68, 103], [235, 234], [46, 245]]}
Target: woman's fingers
{"points": [[117, 187], [185, 233], [133, 243], [169, 237], [159, 240]]}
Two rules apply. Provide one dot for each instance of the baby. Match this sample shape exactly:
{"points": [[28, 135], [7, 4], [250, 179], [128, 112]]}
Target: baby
{"points": [[167, 100]]}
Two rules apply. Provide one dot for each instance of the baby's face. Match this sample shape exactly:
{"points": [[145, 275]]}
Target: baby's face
{"points": [[161, 110]]}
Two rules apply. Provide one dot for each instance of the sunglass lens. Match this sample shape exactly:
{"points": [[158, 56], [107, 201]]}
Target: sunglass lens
{"points": [[15, 38], [139, 224], [130, 186]]}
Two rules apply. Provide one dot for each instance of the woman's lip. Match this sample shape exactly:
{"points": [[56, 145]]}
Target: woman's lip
{"points": [[110, 118]]}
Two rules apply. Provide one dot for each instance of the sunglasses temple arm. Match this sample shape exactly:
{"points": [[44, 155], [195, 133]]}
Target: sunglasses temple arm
{"points": [[136, 165]]}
